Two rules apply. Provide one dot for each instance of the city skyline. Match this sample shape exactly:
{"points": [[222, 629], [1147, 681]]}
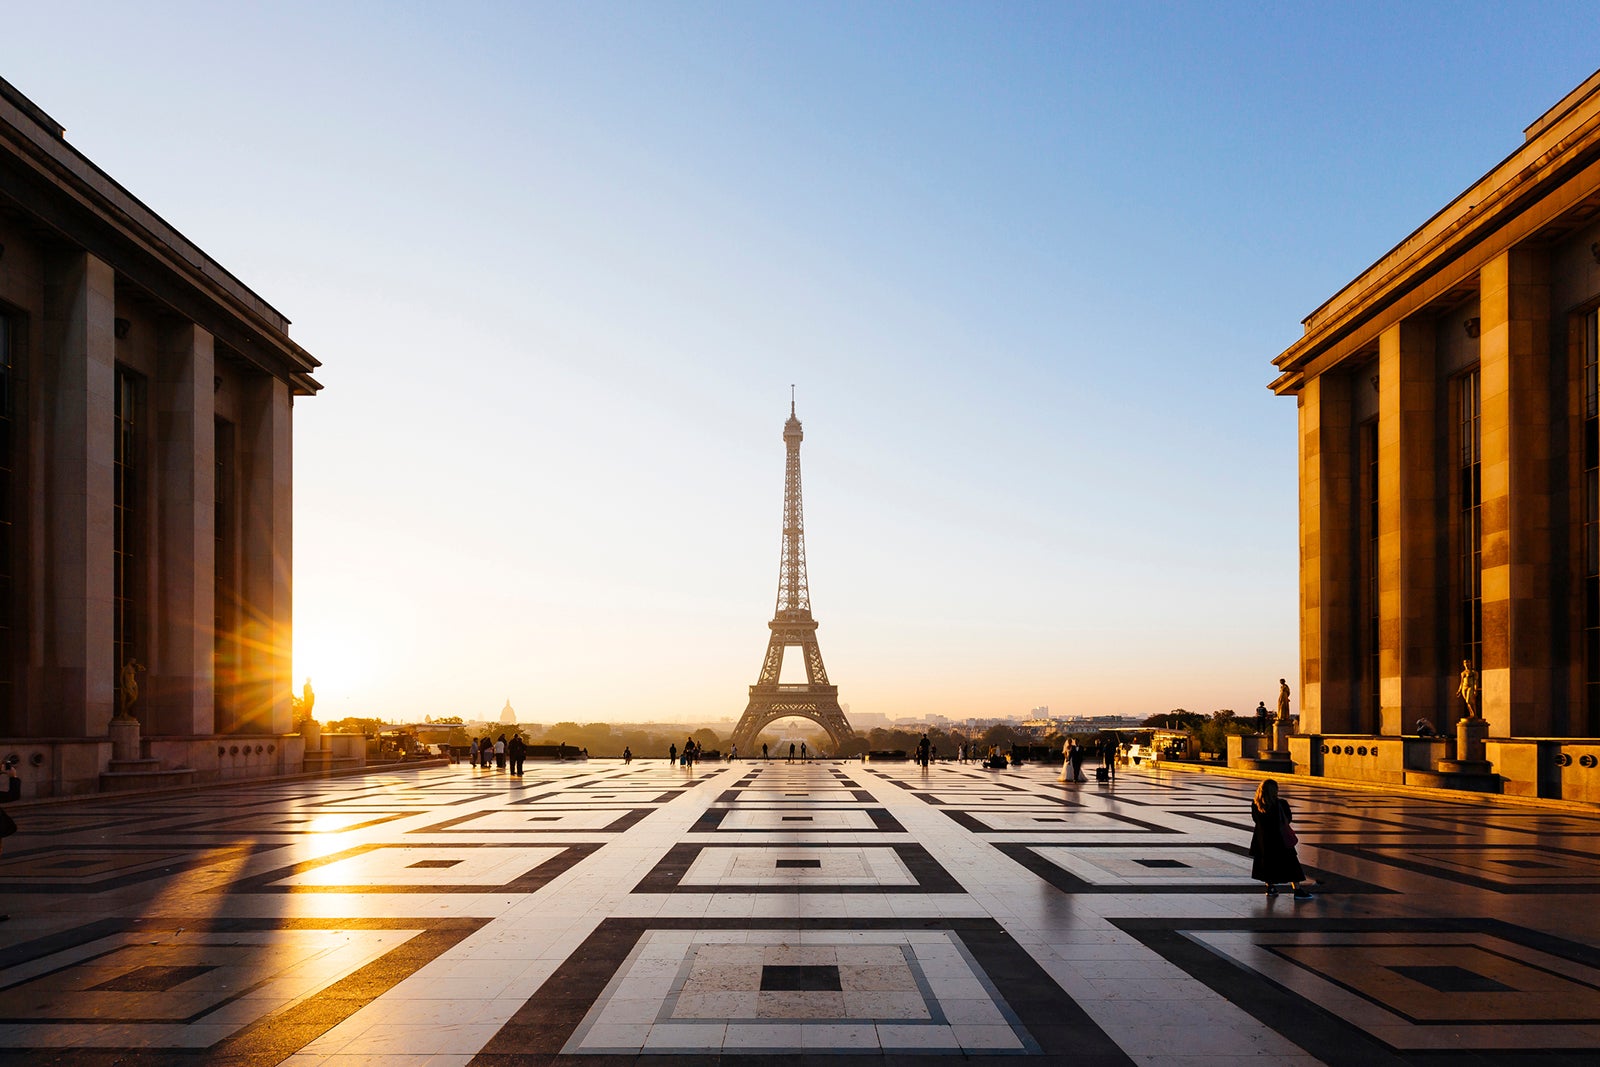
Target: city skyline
{"points": [[1026, 267]]}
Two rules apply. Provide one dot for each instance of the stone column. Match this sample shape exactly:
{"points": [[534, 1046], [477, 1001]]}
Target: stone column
{"points": [[266, 544], [184, 465], [73, 587], [1412, 560], [1514, 372], [1329, 561]]}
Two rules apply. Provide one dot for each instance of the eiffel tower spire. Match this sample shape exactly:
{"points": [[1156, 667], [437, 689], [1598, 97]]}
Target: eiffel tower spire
{"points": [[794, 594], [792, 627]]}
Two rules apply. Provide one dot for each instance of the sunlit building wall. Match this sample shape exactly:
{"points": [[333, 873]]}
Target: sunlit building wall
{"points": [[1450, 468], [146, 398]]}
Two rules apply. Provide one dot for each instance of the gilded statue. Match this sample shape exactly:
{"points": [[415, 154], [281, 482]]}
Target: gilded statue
{"points": [[1468, 689], [130, 686]]}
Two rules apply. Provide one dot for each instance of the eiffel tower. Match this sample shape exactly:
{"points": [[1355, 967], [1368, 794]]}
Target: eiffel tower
{"points": [[792, 626]]}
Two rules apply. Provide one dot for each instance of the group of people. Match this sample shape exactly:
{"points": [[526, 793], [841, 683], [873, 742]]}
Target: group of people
{"points": [[498, 752], [1074, 754]]}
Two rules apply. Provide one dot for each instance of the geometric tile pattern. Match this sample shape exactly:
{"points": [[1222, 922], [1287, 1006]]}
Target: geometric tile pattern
{"points": [[843, 913], [828, 991]]}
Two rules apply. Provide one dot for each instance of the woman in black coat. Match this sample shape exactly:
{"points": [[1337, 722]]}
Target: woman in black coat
{"points": [[1275, 859], [11, 791]]}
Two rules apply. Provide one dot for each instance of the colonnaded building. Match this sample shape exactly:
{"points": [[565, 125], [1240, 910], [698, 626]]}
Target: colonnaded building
{"points": [[1449, 416], [146, 398]]}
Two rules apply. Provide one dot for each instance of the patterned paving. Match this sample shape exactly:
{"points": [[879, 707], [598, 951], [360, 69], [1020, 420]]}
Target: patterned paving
{"points": [[748, 913]]}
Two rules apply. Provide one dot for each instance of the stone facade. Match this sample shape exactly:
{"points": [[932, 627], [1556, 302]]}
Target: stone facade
{"points": [[1449, 445], [148, 401]]}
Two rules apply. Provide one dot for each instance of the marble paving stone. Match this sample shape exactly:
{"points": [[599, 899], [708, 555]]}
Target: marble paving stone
{"points": [[596, 913], [540, 819]]}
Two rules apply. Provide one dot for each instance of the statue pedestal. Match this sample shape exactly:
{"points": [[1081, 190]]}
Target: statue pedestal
{"points": [[1469, 770], [1471, 734], [311, 731], [124, 734]]}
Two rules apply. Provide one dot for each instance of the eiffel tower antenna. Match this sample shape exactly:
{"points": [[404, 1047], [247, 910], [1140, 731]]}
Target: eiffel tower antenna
{"points": [[792, 627]]}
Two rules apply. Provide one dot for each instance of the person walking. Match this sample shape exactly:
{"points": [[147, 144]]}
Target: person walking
{"points": [[803, 754], [791, 751], [472, 752], [1272, 845], [12, 790], [627, 754], [672, 753], [763, 752]]}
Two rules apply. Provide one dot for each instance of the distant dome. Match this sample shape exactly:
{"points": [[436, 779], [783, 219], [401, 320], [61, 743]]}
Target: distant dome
{"points": [[508, 716]]}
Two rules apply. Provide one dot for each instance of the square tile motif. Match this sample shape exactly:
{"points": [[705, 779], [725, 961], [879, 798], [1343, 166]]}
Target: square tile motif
{"points": [[1505, 868], [1156, 868], [423, 868], [798, 796], [630, 798], [540, 819], [232, 990], [1416, 991], [681, 987], [398, 865], [776, 866], [407, 800], [1323, 823], [1365, 990], [1113, 866], [798, 868], [788, 820], [1036, 820], [1539, 823], [283, 822], [1019, 798], [94, 868]]}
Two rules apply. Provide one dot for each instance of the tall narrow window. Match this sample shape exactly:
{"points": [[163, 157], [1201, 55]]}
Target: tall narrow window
{"points": [[1470, 550], [8, 524], [224, 650], [1591, 522], [1369, 511], [126, 516]]}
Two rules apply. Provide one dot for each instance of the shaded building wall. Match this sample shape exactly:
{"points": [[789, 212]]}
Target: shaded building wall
{"points": [[75, 327]]}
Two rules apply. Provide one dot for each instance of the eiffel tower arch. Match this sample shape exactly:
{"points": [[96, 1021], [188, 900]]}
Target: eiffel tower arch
{"points": [[792, 627]]}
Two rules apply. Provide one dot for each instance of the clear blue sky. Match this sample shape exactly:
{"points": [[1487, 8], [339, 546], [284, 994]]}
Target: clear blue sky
{"points": [[1027, 265]]}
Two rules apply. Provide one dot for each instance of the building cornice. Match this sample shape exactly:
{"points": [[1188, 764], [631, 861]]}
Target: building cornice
{"points": [[63, 191], [1491, 215]]}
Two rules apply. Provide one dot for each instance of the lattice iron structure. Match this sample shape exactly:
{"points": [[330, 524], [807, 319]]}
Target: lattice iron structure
{"points": [[792, 627]]}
